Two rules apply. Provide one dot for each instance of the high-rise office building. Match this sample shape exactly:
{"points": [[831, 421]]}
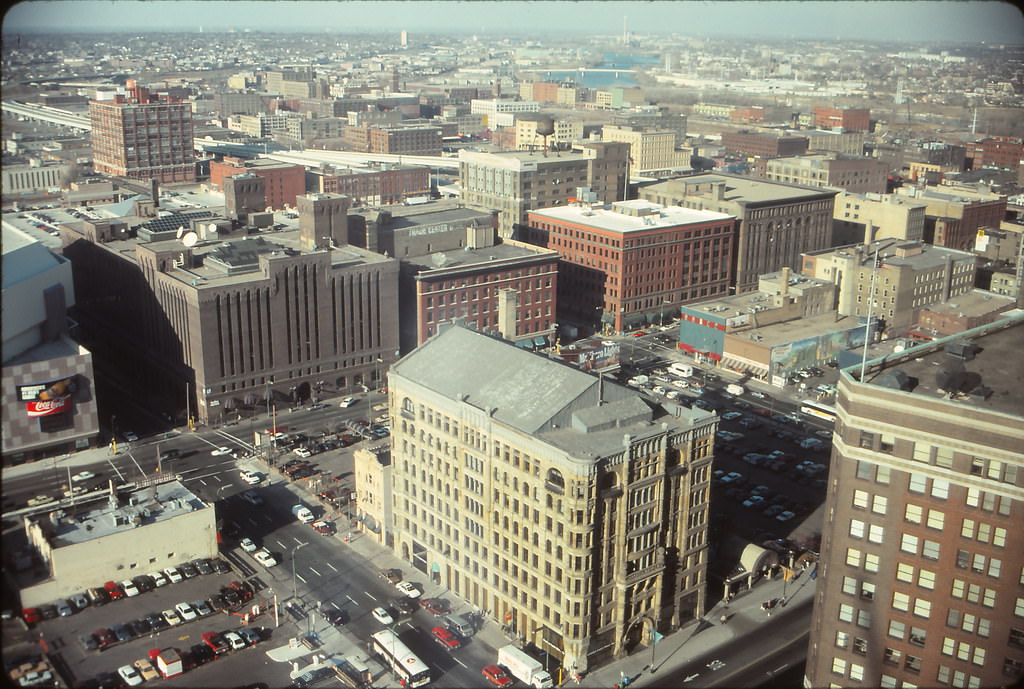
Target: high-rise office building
{"points": [[564, 504], [142, 135], [921, 580]]}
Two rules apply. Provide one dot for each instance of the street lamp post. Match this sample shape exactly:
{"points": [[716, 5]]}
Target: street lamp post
{"points": [[295, 581]]}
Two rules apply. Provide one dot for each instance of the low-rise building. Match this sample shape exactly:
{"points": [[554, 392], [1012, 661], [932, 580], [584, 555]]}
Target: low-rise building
{"points": [[376, 184], [763, 145], [372, 476], [116, 535], [565, 132], [650, 152], [892, 278], [855, 174], [283, 181], [849, 119], [868, 217], [954, 213], [965, 311]]}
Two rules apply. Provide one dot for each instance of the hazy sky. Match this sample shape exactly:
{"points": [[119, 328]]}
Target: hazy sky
{"points": [[949, 21]]}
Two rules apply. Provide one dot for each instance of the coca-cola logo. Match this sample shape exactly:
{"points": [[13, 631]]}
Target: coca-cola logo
{"points": [[47, 407]]}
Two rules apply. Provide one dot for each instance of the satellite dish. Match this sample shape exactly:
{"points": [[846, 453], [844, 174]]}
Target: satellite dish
{"points": [[439, 259], [268, 209], [180, 231], [190, 239]]}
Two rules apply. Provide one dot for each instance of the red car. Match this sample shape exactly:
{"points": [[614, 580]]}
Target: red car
{"points": [[496, 676], [639, 333], [445, 638], [104, 637], [216, 643], [31, 616], [435, 606], [114, 590]]}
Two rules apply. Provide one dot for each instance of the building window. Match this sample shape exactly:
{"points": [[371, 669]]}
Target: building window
{"points": [[908, 544], [892, 656], [926, 579], [935, 518], [905, 572], [922, 608], [901, 601]]}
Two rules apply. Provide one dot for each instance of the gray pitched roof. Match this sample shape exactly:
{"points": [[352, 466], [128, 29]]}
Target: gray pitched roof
{"points": [[527, 391]]}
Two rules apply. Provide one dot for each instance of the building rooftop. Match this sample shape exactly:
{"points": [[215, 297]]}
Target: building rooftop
{"points": [[521, 160], [979, 368], [155, 503], [898, 252], [536, 395], [799, 329], [974, 303], [742, 190], [737, 304], [629, 216], [470, 258]]}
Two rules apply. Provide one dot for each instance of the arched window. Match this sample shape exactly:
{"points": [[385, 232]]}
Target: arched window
{"points": [[555, 481]]}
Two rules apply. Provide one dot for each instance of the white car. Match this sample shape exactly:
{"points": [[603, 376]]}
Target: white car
{"points": [[130, 589], [383, 616], [221, 451], [251, 477], [187, 612], [130, 675], [234, 639], [173, 575], [302, 452], [347, 402], [83, 476], [264, 557], [159, 578], [408, 589], [248, 545]]}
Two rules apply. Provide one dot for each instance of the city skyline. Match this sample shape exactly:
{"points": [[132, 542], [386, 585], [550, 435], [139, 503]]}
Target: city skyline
{"points": [[907, 22]]}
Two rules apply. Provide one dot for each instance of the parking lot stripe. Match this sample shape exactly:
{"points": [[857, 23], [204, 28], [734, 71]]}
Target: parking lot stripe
{"points": [[459, 662], [350, 599], [315, 572], [299, 577], [332, 566], [370, 596]]}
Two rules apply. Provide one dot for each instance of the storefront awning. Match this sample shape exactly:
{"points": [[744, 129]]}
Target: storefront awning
{"points": [[540, 341]]}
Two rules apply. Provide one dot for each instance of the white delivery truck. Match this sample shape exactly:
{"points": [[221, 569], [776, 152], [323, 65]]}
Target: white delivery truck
{"points": [[681, 370], [523, 667], [734, 389], [303, 514]]}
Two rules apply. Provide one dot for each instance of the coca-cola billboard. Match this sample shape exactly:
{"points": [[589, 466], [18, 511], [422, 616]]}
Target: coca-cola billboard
{"points": [[54, 389], [47, 407]]}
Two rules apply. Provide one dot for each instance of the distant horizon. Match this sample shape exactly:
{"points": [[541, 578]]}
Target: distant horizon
{"points": [[881, 21]]}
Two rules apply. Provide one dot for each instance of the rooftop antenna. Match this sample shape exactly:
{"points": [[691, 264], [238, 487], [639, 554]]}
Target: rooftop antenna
{"points": [[867, 326]]}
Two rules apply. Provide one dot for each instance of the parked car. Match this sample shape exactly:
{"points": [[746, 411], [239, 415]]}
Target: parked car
{"points": [[408, 588], [130, 675], [265, 558], [113, 590], [159, 579], [202, 566], [156, 622], [234, 640], [216, 643], [202, 608], [333, 615], [173, 575], [251, 477], [187, 570], [123, 632], [79, 600], [88, 642], [146, 669], [187, 612], [104, 638], [435, 606], [64, 608], [129, 588], [251, 636]]}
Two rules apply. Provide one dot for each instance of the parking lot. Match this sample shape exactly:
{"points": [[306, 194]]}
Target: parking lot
{"points": [[92, 643]]}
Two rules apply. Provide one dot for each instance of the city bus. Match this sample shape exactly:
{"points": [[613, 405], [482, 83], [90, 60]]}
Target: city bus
{"points": [[410, 669], [819, 410]]}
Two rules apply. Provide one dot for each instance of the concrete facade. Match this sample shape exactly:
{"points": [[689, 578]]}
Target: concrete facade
{"points": [[145, 530], [577, 518], [514, 183], [227, 323], [857, 175], [869, 217], [910, 276], [776, 222], [650, 151]]}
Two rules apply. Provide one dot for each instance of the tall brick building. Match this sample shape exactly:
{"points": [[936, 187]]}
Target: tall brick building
{"points": [[634, 262], [920, 574], [143, 135]]}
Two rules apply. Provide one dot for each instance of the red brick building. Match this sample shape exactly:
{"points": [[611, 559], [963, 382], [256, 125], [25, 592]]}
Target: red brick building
{"points": [[284, 181], [754, 113], [850, 119], [416, 140], [143, 135], [1003, 152], [763, 145], [634, 262], [382, 185]]}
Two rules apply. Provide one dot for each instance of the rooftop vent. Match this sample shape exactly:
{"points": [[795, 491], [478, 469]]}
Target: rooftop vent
{"points": [[964, 350]]}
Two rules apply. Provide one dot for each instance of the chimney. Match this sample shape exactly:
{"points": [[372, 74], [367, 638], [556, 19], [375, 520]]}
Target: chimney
{"points": [[785, 281], [154, 190], [719, 190], [508, 305]]}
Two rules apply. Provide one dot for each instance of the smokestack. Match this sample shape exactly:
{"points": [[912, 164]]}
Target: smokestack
{"points": [[785, 281], [154, 190]]}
